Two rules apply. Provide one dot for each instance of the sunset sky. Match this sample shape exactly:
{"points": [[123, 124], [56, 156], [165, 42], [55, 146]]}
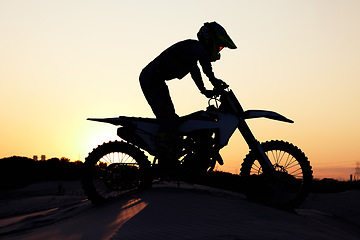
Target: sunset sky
{"points": [[64, 61]]}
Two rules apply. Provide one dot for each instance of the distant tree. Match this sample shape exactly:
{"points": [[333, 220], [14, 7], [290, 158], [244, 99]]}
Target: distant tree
{"points": [[18, 171], [64, 160], [53, 160], [78, 163]]}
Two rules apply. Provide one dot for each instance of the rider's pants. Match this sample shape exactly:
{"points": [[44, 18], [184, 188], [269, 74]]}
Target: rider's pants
{"points": [[157, 95]]}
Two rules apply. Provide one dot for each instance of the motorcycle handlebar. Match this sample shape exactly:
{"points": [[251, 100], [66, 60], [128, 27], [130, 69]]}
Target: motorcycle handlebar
{"points": [[219, 90]]}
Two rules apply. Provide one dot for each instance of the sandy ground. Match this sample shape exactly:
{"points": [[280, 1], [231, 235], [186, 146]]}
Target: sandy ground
{"points": [[168, 212]]}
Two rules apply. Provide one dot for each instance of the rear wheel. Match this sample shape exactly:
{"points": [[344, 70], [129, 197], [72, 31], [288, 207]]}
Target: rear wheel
{"points": [[292, 180], [113, 169]]}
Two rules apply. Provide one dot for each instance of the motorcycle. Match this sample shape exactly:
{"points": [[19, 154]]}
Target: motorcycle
{"points": [[274, 171]]}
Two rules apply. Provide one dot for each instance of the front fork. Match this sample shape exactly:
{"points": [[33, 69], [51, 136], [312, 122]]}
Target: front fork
{"points": [[264, 160], [233, 105], [255, 146]]}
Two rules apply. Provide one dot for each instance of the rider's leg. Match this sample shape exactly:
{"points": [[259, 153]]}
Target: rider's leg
{"points": [[157, 94]]}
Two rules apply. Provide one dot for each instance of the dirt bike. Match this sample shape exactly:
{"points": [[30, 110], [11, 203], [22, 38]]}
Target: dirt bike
{"points": [[276, 169]]}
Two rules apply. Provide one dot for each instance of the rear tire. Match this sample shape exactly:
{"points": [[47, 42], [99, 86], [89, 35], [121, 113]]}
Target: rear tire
{"points": [[293, 177], [113, 169]]}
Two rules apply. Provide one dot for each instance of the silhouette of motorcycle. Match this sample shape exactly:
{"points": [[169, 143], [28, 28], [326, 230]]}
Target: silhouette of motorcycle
{"points": [[274, 171]]}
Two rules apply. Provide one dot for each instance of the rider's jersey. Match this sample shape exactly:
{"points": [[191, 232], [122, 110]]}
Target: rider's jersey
{"points": [[181, 59]]}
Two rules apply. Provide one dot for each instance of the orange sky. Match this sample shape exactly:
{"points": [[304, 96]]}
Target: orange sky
{"points": [[62, 62]]}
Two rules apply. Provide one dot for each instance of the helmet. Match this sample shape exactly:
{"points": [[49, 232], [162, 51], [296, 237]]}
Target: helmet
{"points": [[214, 37]]}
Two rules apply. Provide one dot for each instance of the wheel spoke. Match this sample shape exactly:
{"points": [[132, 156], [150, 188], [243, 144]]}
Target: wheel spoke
{"points": [[291, 161], [293, 164], [296, 172], [288, 158], [256, 168]]}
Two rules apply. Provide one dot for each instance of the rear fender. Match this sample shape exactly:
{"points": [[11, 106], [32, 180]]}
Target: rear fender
{"points": [[138, 138], [138, 131]]}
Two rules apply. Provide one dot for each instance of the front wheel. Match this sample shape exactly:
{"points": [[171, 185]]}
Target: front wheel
{"points": [[290, 183], [113, 169]]}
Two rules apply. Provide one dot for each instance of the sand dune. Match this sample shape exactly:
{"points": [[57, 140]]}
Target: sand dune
{"points": [[189, 212]]}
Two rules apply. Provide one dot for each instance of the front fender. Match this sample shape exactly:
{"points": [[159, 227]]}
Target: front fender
{"points": [[266, 114]]}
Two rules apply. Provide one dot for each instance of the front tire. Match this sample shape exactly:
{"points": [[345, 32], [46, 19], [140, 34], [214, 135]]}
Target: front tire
{"points": [[113, 169], [291, 183]]}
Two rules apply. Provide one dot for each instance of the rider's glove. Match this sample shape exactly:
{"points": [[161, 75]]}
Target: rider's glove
{"points": [[217, 83], [208, 93]]}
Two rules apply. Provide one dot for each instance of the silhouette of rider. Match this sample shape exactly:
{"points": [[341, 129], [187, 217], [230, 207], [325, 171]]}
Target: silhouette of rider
{"points": [[176, 62]]}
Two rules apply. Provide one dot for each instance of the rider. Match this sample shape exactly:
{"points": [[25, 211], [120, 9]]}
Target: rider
{"points": [[176, 62]]}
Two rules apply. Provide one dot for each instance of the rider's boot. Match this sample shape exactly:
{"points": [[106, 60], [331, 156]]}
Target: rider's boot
{"points": [[167, 151]]}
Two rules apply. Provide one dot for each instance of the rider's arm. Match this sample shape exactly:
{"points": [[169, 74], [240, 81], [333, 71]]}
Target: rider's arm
{"points": [[207, 69], [206, 66], [196, 76]]}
